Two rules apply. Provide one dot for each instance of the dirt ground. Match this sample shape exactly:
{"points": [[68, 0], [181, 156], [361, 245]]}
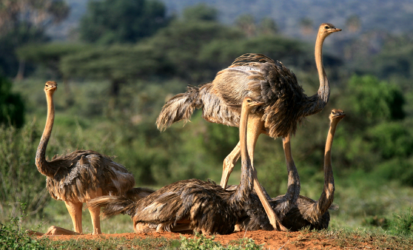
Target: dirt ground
{"points": [[270, 239]]}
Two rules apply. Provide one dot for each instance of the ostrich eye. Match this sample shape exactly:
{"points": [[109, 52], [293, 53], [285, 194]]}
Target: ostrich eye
{"points": [[326, 27], [248, 100], [47, 85]]}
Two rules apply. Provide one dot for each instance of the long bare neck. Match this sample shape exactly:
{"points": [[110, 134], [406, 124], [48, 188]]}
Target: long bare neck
{"points": [[327, 196], [324, 90], [42, 165], [319, 101], [293, 189], [244, 189]]}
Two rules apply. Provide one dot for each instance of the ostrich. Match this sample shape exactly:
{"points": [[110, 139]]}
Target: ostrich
{"points": [[190, 205], [79, 176], [305, 212], [263, 79]]}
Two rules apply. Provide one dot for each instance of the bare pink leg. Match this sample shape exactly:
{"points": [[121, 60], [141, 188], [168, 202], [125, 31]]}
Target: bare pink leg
{"points": [[255, 126], [229, 164], [75, 211], [94, 214]]}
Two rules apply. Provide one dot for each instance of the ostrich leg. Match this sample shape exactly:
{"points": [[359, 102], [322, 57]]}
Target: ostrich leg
{"points": [[255, 126], [229, 164], [94, 214], [75, 211]]}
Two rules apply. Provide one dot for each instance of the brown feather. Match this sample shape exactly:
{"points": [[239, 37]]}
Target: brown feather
{"points": [[253, 75]]}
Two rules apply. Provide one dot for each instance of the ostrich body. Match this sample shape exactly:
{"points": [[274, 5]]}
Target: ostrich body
{"points": [[190, 205], [77, 177], [261, 78], [305, 212]]}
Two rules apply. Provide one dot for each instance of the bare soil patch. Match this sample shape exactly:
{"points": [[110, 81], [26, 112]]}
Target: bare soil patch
{"points": [[269, 239]]}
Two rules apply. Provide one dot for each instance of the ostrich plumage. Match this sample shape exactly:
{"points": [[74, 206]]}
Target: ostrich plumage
{"points": [[263, 79], [77, 177], [205, 206]]}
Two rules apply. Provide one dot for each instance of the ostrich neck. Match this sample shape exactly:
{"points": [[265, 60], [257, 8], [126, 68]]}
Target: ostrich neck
{"points": [[41, 163], [324, 90], [244, 189], [293, 189], [327, 197]]}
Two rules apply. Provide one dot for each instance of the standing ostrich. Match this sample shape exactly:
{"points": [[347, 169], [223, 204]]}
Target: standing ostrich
{"points": [[79, 176], [261, 78], [305, 212], [190, 205]]}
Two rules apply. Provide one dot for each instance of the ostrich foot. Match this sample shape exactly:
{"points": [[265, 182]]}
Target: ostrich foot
{"points": [[280, 227], [53, 230]]}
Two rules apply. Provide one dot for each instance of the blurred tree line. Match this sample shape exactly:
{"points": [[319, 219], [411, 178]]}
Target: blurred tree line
{"points": [[131, 57]]}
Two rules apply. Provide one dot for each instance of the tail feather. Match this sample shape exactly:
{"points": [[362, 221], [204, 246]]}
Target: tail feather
{"points": [[124, 204], [180, 107]]}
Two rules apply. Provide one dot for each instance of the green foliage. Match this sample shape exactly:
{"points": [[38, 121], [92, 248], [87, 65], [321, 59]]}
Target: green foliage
{"points": [[181, 43], [20, 181], [375, 100], [49, 55], [398, 224], [391, 140], [402, 224], [11, 105], [121, 21], [23, 22], [200, 12], [376, 221], [21, 34], [115, 63], [13, 237], [201, 242]]}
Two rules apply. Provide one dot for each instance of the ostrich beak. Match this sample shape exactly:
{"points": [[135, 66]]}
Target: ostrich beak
{"points": [[337, 30], [258, 103]]}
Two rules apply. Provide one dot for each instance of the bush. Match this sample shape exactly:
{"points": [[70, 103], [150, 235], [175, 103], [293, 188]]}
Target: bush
{"points": [[13, 237], [19, 178], [402, 224], [11, 105]]}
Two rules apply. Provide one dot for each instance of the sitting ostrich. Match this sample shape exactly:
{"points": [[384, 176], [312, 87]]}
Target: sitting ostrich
{"points": [[79, 176], [305, 212], [261, 78], [190, 205]]}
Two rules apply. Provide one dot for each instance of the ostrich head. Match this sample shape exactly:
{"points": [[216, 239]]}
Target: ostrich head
{"points": [[327, 29], [50, 87], [250, 103], [337, 114]]}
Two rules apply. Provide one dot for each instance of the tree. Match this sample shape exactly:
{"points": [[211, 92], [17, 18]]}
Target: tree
{"points": [[23, 22], [37, 14], [121, 21], [118, 64], [182, 42], [246, 23], [11, 105], [268, 26], [375, 100], [200, 12], [49, 55]]}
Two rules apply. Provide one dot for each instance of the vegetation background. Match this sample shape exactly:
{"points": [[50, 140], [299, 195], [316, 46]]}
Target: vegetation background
{"points": [[118, 61]]}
